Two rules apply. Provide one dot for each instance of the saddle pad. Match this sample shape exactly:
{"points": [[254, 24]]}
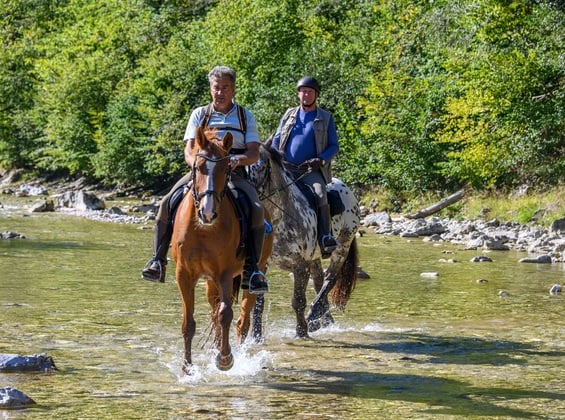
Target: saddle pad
{"points": [[336, 205]]}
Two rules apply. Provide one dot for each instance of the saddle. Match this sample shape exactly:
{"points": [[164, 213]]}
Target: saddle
{"points": [[334, 199], [241, 205]]}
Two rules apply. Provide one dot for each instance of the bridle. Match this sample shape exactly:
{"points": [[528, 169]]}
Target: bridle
{"points": [[198, 196], [272, 192]]}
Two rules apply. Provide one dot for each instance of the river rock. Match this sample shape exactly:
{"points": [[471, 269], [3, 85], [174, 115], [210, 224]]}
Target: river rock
{"points": [[44, 206], [26, 190], [481, 258], [430, 274], [540, 259], [80, 200], [18, 363], [555, 289], [492, 234], [558, 225], [377, 219], [13, 399], [11, 235]]}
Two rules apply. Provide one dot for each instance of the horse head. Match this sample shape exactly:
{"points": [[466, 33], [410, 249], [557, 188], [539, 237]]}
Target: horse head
{"points": [[261, 173], [210, 173]]}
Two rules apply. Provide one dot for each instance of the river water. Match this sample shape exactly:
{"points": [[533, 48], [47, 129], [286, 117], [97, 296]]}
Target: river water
{"points": [[407, 345]]}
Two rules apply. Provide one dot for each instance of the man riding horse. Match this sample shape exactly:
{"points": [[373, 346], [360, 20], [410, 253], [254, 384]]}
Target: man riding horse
{"points": [[223, 115], [307, 137]]}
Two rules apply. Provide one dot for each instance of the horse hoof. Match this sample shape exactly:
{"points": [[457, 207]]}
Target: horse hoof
{"points": [[314, 326], [224, 362], [187, 369]]}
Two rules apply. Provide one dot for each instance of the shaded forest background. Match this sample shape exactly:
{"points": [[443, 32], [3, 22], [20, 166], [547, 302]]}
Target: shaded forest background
{"points": [[427, 95]]}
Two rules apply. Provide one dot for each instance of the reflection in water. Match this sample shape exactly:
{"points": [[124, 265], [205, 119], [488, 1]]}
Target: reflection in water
{"points": [[406, 346]]}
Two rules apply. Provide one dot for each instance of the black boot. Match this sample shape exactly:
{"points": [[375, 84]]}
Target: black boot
{"points": [[253, 278], [327, 241], [156, 268]]}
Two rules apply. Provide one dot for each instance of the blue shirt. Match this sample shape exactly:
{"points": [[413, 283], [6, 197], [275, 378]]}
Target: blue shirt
{"points": [[301, 145]]}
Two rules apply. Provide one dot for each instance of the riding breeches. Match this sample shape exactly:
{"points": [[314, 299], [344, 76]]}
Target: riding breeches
{"points": [[257, 213], [317, 184], [165, 212]]}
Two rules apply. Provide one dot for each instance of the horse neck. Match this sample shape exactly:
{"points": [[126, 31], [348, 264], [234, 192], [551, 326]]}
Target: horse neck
{"points": [[285, 198]]}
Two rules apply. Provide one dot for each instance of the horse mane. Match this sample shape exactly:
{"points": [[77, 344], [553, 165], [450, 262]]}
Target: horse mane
{"points": [[275, 155]]}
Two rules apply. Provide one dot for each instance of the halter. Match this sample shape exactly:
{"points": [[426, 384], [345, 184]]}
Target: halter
{"points": [[267, 180], [198, 196]]}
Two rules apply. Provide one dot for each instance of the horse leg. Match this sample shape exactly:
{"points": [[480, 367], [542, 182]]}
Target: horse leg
{"points": [[244, 320], [326, 319], [317, 315], [188, 327], [301, 277], [258, 318], [224, 359]]}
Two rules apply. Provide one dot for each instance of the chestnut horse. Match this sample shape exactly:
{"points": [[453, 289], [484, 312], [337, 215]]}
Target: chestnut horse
{"points": [[206, 237]]}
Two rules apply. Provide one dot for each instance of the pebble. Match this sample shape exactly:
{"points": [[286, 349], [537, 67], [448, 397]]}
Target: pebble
{"points": [[429, 274], [555, 289]]}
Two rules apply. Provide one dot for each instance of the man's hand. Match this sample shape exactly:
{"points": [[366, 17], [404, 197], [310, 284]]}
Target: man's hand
{"points": [[313, 165], [234, 162]]}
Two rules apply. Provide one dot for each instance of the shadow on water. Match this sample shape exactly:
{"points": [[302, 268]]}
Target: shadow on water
{"points": [[450, 397], [442, 395], [456, 350]]}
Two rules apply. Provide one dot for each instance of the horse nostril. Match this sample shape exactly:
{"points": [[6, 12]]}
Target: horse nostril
{"points": [[206, 217]]}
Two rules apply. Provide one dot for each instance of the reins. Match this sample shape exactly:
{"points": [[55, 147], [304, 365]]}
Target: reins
{"points": [[286, 186]]}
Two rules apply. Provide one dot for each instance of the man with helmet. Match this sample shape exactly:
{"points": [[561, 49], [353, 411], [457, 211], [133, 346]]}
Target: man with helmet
{"points": [[307, 137]]}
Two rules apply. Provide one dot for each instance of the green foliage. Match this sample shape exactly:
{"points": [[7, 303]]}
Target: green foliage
{"points": [[425, 95]]}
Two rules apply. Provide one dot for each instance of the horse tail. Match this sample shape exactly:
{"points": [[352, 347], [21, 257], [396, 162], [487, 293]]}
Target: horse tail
{"points": [[347, 277]]}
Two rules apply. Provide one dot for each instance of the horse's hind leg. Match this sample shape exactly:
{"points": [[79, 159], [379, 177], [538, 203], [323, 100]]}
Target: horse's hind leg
{"points": [[325, 318], [244, 320], [258, 319]]}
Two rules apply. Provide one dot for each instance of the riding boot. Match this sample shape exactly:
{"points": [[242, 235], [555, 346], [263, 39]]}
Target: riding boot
{"points": [[253, 278], [327, 241], [156, 268]]}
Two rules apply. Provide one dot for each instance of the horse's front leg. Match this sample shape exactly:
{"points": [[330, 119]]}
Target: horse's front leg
{"points": [[188, 327], [224, 360], [301, 277]]}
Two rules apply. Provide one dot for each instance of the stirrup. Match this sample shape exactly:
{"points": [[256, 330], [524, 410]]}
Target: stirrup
{"points": [[258, 283], [328, 248], [154, 270]]}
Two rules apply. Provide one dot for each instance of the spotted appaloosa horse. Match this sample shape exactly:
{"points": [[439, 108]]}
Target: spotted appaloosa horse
{"points": [[296, 246], [206, 237]]}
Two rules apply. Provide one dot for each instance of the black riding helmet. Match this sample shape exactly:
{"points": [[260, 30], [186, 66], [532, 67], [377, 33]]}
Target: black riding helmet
{"points": [[310, 82]]}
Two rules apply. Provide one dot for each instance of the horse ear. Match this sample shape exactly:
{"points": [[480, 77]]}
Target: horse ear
{"points": [[227, 142], [200, 137]]}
